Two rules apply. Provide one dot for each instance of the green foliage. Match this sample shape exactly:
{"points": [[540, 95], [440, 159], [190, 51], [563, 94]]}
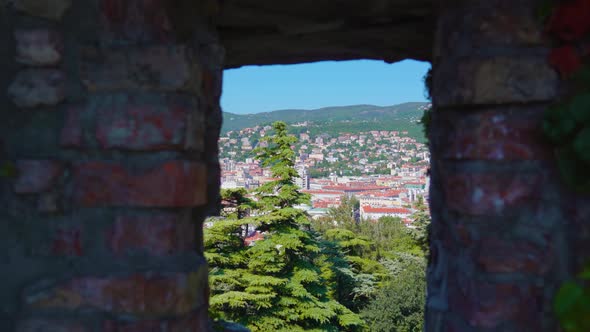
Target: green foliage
{"points": [[313, 275], [335, 120], [567, 126], [425, 122], [288, 281], [8, 170], [399, 305], [572, 304]]}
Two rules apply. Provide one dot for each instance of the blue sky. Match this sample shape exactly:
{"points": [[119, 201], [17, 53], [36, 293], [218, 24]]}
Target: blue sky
{"points": [[255, 89]]}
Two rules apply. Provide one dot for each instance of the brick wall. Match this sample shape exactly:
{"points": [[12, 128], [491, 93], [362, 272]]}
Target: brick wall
{"points": [[504, 229], [111, 122]]}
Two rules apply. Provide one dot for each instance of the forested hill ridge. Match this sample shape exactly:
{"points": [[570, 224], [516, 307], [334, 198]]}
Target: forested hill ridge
{"points": [[338, 119]]}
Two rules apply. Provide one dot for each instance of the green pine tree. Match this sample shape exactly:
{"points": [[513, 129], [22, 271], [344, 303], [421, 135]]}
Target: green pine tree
{"points": [[280, 283]]}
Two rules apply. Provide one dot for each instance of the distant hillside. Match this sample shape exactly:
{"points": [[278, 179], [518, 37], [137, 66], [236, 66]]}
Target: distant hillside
{"points": [[337, 119]]}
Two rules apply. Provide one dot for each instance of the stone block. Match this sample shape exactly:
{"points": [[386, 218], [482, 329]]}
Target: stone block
{"points": [[492, 135], [496, 255], [165, 68], [487, 25], [48, 202], [50, 9], [494, 81], [487, 305], [488, 193], [38, 47], [139, 126], [37, 87], [151, 295], [133, 123], [36, 176], [158, 235], [135, 22], [66, 242], [196, 322], [42, 325], [170, 184]]}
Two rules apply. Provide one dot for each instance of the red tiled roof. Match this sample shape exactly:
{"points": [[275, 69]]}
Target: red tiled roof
{"points": [[256, 237], [369, 209], [323, 192], [388, 193], [351, 188]]}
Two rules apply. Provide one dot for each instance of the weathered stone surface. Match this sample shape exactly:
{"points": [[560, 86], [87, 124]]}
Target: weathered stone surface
{"points": [[487, 25], [171, 184], [489, 194], [493, 81], [135, 21], [166, 68], [72, 132], [48, 202], [495, 255], [487, 305], [319, 30], [130, 123], [38, 47], [67, 242], [158, 235], [493, 135], [150, 295], [41, 325], [35, 176], [139, 126], [37, 87], [51, 9], [196, 322]]}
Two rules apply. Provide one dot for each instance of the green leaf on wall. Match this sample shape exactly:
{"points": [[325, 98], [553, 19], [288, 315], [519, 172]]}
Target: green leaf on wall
{"points": [[8, 170], [582, 144], [580, 108], [559, 124]]}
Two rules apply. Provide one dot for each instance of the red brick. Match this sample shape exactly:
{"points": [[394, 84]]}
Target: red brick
{"points": [[493, 136], [43, 325], [502, 256], [489, 194], [36, 176], [135, 21], [142, 126], [38, 47], [149, 295], [196, 322], [158, 123], [487, 305], [158, 235], [166, 68], [171, 184], [67, 242], [38, 87]]}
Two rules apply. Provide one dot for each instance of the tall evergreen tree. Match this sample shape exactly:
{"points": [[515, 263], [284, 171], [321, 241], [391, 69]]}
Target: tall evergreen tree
{"points": [[281, 283]]}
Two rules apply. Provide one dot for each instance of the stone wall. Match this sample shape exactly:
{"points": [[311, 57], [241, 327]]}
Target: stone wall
{"points": [[506, 232], [111, 119]]}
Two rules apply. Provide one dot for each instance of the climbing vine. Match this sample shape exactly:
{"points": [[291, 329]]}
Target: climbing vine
{"points": [[567, 127], [567, 123]]}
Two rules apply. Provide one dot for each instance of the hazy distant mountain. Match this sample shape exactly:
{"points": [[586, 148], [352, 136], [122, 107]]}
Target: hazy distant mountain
{"points": [[355, 116]]}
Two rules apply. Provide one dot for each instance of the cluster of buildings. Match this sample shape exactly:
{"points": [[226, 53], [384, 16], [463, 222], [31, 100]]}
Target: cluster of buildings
{"points": [[370, 152], [392, 191]]}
